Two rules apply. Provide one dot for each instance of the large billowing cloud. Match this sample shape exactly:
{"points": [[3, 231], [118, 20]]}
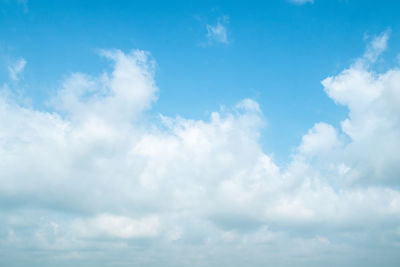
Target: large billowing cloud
{"points": [[96, 183]]}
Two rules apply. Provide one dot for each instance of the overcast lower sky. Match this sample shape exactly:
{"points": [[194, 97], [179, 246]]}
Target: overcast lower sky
{"points": [[200, 133]]}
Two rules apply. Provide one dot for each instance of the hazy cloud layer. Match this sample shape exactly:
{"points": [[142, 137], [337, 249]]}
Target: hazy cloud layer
{"points": [[95, 183]]}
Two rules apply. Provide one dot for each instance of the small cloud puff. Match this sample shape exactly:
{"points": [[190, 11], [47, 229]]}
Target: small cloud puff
{"points": [[218, 33], [16, 69]]}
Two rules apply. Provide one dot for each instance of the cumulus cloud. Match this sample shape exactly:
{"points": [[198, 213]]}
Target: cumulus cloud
{"points": [[218, 33], [16, 69], [121, 95], [321, 138], [95, 183], [372, 125]]}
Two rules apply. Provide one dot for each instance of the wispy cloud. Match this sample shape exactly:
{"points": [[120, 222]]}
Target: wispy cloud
{"points": [[376, 47], [218, 33], [301, 2], [16, 69]]}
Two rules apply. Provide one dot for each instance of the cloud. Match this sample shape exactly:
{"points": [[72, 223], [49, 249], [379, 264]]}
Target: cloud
{"points": [[16, 69], [105, 225], [301, 2], [372, 99], [375, 48], [94, 182], [321, 138], [121, 95], [218, 33]]}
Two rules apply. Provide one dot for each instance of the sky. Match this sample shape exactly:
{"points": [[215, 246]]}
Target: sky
{"points": [[200, 133]]}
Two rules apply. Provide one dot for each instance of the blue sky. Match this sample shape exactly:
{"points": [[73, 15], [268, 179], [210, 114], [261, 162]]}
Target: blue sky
{"points": [[180, 133]]}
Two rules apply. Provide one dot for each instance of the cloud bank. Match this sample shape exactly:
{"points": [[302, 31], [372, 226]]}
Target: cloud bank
{"points": [[95, 183]]}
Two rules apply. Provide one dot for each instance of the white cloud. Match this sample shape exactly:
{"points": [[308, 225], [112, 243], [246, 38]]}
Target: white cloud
{"points": [[218, 33], [373, 102], [377, 46], [106, 225], [16, 69], [321, 138], [121, 95], [99, 183]]}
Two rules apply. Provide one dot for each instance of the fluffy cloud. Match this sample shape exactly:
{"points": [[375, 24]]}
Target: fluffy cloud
{"points": [[373, 123], [95, 183], [321, 138], [119, 96]]}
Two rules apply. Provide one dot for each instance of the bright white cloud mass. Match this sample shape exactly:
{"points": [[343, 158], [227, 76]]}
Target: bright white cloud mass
{"points": [[95, 183]]}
